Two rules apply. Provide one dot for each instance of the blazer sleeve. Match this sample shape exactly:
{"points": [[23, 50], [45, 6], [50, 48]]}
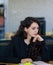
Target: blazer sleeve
{"points": [[13, 56], [45, 56], [11, 52]]}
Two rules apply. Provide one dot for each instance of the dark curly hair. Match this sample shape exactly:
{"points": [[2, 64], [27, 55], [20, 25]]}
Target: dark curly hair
{"points": [[26, 23], [34, 49]]}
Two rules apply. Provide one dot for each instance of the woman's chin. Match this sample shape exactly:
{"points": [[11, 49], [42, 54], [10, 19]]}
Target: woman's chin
{"points": [[33, 36]]}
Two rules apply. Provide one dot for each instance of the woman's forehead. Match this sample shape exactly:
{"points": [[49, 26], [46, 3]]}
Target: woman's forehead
{"points": [[34, 24]]}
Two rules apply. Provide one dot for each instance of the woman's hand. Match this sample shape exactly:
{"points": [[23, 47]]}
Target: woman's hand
{"points": [[26, 60], [38, 37]]}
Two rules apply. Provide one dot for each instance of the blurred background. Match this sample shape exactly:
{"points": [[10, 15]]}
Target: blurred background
{"points": [[13, 11]]}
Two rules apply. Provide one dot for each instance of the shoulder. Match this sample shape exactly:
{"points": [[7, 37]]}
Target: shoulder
{"points": [[16, 39]]}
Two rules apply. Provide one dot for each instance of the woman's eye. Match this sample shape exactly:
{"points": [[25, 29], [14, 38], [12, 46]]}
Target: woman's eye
{"points": [[35, 28]]}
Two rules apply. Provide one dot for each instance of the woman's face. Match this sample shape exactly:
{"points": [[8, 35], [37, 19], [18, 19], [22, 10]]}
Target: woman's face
{"points": [[32, 30]]}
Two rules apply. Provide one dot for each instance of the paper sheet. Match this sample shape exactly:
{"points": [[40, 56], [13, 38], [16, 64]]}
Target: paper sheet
{"points": [[40, 63]]}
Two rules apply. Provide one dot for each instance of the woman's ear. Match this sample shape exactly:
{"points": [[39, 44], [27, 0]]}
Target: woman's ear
{"points": [[25, 29]]}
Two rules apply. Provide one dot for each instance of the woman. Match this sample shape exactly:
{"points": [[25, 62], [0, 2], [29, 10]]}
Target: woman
{"points": [[27, 45]]}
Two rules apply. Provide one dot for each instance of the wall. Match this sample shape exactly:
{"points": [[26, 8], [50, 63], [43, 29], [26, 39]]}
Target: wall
{"points": [[5, 3], [19, 9]]}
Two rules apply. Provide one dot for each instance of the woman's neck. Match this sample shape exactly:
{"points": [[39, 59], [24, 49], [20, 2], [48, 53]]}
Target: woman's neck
{"points": [[27, 41]]}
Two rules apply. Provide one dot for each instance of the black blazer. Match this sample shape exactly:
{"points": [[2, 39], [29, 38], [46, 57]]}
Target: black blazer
{"points": [[18, 50]]}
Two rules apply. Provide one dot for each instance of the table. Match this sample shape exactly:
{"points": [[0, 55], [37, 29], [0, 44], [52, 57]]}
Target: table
{"points": [[50, 62]]}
